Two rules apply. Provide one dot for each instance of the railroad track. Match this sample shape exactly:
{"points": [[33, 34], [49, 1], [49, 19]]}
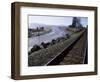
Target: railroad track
{"points": [[76, 53]]}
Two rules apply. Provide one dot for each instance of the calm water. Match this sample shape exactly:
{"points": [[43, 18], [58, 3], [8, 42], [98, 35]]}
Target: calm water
{"points": [[55, 33]]}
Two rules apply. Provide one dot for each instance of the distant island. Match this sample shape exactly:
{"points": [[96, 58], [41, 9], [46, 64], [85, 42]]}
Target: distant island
{"points": [[38, 29]]}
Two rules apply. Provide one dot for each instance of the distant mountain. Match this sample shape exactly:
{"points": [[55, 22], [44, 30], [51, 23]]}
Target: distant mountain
{"points": [[35, 25]]}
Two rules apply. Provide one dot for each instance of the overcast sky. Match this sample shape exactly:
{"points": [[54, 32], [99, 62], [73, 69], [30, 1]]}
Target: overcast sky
{"points": [[56, 20]]}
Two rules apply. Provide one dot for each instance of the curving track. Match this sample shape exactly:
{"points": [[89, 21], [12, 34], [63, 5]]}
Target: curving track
{"points": [[75, 54]]}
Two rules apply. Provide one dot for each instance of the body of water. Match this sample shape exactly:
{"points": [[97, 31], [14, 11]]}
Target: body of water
{"points": [[55, 33]]}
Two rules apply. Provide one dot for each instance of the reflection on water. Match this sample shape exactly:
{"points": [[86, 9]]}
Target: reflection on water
{"points": [[55, 33]]}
